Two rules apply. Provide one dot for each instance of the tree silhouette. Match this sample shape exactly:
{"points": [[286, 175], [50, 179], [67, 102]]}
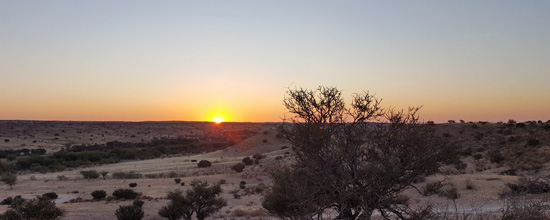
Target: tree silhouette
{"points": [[353, 160]]}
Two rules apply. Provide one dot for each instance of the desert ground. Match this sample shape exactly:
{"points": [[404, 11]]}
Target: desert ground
{"points": [[480, 184]]}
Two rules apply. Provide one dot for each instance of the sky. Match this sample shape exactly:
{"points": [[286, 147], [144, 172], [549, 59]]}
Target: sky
{"points": [[194, 60]]}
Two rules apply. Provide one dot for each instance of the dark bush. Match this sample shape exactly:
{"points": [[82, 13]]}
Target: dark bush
{"points": [[477, 156], [432, 188], [495, 156], [99, 194], [129, 212], [138, 203], [50, 195], [7, 201], [132, 184], [258, 156], [204, 163], [89, 174], [533, 142], [238, 167], [247, 161], [529, 187], [39, 208], [125, 194], [509, 172], [177, 180]]}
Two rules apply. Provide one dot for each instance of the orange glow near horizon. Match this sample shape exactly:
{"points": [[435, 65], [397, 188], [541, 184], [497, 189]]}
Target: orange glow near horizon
{"points": [[218, 116], [218, 120]]}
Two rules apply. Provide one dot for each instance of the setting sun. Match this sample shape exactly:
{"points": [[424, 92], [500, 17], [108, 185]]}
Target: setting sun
{"points": [[218, 120]]}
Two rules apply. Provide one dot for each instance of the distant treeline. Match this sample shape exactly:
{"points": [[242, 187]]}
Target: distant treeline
{"points": [[22, 152], [114, 152]]}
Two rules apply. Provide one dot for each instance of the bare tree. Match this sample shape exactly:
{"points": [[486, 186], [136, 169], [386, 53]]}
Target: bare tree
{"points": [[355, 159]]}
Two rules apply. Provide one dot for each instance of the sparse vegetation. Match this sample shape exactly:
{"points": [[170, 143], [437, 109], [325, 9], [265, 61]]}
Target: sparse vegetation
{"points": [[202, 200], [9, 179], [99, 194], [129, 212], [125, 194], [50, 195], [40, 208], [247, 161], [239, 167], [204, 163], [89, 174]]}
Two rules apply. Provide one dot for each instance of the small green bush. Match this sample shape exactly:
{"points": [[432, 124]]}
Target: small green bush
{"points": [[99, 194], [125, 194], [132, 185], [177, 180]]}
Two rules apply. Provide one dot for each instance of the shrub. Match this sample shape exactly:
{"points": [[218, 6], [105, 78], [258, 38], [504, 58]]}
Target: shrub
{"points": [[132, 185], [9, 179], [125, 194], [202, 199], [432, 188], [258, 157], [39, 208], [61, 177], [172, 174], [509, 172], [99, 194], [469, 184], [129, 212], [451, 193], [177, 180], [529, 186], [104, 174], [238, 167], [50, 195], [477, 156], [138, 203], [89, 174], [204, 163], [247, 161], [7, 201], [533, 142], [495, 156]]}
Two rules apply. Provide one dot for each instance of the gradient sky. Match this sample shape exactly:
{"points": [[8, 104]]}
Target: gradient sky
{"points": [[191, 60]]}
